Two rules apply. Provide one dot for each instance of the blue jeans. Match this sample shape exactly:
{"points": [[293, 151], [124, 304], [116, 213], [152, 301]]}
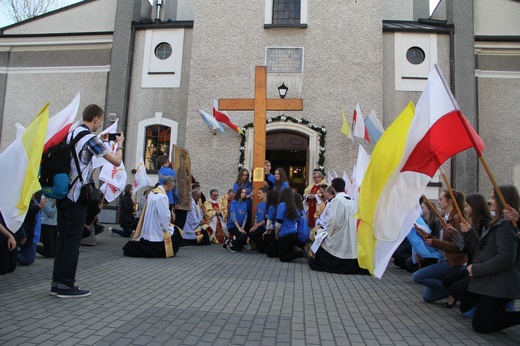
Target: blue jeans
{"points": [[125, 233], [431, 277], [27, 255]]}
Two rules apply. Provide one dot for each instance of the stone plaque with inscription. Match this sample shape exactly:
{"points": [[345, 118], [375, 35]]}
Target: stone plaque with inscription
{"points": [[284, 60]]}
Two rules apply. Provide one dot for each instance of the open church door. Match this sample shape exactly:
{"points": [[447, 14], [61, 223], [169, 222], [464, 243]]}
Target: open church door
{"points": [[289, 150]]}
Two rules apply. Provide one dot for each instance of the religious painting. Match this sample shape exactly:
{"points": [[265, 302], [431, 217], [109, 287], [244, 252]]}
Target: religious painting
{"points": [[182, 166]]}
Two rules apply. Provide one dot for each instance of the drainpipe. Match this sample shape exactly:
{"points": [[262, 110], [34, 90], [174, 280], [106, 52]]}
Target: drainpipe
{"points": [[159, 4]]}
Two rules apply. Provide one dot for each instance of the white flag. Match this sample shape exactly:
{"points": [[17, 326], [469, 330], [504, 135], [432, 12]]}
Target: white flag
{"points": [[112, 145], [361, 167], [115, 180], [141, 179]]}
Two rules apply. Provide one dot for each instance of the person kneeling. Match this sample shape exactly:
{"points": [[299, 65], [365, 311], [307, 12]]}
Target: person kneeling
{"points": [[154, 236], [338, 251], [194, 234]]}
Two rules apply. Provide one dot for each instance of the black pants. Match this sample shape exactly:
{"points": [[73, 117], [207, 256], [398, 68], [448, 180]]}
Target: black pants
{"points": [[271, 244], [402, 253], [449, 280], [286, 246], [203, 241], [326, 262], [256, 236], [71, 220], [151, 249], [459, 291], [49, 239], [491, 315], [180, 218], [8, 259], [240, 238], [413, 267]]}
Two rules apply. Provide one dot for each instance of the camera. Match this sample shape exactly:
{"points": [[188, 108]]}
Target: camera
{"points": [[112, 136]]}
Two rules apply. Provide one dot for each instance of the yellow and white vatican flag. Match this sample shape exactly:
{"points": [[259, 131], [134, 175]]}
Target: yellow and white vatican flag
{"points": [[19, 167]]}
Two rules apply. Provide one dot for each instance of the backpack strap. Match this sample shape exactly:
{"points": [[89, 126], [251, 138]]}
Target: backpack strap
{"points": [[73, 143]]}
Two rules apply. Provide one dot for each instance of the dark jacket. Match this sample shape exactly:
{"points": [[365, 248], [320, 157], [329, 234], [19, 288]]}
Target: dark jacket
{"points": [[126, 217], [496, 265], [27, 229]]}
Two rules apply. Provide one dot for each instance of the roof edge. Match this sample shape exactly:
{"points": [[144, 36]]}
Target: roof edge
{"points": [[50, 13]]}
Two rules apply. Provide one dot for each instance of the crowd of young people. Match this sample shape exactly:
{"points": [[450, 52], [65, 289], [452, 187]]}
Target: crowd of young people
{"points": [[475, 256], [467, 253]]}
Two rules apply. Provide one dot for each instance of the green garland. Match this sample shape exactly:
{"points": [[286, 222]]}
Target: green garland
{"points": [[322, 132]]}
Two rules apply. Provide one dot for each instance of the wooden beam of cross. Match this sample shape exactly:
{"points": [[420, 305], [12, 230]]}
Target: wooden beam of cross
{"points": [[260, 104]]}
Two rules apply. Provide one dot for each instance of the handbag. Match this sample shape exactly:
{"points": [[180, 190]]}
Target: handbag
{"points": [[90, 194]]}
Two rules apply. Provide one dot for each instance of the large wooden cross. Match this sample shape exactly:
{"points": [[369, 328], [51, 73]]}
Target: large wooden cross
{"points": [[260, 105]]}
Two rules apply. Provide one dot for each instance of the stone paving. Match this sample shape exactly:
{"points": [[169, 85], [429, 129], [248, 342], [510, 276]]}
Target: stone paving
{"points": [[209, 296]]}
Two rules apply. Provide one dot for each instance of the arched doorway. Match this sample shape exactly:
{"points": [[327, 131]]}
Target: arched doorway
{"points": [[301, 135], [289, 150]]}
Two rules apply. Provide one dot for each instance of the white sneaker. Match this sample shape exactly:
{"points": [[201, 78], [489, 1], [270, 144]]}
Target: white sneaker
{"points": [[110, 231]]}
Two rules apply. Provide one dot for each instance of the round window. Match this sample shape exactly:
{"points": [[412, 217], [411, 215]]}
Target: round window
{"points": [[415, 55], [163, 51]]}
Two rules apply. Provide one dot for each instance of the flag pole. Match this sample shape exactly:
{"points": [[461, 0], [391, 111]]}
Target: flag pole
{"points": [[450, 190], [477, 150], [435, 211]]}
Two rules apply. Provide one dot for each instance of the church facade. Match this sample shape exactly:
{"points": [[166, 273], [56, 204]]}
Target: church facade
{"points": [[152, 66]]}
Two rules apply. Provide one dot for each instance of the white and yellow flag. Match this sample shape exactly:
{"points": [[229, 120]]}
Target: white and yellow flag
{"points": [[20, 164]]}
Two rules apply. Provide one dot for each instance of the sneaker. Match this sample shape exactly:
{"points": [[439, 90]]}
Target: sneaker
{"points": [[72, 292], [230, 247], [110, 231], [54, 289], [227, 243], [470, 313]]}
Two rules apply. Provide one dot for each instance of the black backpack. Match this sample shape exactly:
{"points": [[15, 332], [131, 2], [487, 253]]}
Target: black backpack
{"points": [[55, 168]]}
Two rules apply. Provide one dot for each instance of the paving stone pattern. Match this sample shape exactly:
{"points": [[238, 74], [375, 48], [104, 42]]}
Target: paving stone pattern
{"points": [[209, 296]]}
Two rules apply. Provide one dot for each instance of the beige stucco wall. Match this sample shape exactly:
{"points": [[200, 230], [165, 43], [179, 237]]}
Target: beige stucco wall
{"points": [[499, 122], [394, 101], [497, 17], [342, 65], [185, 9], [397, 9], [93, 16], [145, 102], [27, 93]]}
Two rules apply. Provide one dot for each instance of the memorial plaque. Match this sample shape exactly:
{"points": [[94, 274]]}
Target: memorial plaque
{"points": [[259, 174], [284, 60]]}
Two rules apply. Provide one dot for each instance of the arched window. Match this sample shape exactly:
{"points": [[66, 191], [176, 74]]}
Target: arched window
{"points": [[157, 142]]}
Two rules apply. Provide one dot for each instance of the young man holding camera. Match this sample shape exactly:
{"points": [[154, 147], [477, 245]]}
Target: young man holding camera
{"points": [[71, 211]]}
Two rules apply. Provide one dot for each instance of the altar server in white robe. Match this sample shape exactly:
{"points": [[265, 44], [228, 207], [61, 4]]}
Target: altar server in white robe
{"points": [[148, 240], [338, 251], [195, 229]]}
